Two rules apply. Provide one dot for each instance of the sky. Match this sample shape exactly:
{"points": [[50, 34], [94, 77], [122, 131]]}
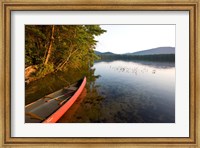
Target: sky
{"points": [[131, 38]]}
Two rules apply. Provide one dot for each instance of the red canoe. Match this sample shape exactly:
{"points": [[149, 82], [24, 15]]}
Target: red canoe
{"points": [[51, 108]]}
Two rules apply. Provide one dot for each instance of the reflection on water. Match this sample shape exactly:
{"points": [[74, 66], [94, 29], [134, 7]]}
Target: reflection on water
{"points": [[37, 89], [118, 92]]}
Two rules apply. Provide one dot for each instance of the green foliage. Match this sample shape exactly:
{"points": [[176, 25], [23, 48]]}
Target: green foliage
{"points": [[72, 46], [44, 70], [36, 42]]}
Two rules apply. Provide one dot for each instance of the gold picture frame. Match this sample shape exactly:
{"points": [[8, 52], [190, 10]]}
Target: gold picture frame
{"points": [[19, 5]]}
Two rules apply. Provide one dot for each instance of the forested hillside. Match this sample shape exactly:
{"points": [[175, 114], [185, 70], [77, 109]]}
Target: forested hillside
{"points": [[155, 57]]}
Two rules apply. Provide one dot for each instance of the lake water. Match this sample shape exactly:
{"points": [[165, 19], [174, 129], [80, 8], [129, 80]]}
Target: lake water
{"points": [[129, 92], [121, 92]]}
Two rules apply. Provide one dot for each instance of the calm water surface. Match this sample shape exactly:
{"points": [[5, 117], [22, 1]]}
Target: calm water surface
{"points": [[120, 92]]}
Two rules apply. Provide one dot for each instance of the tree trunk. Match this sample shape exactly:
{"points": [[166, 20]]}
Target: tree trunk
{"points": [[50, 46], [60, 66], [63, 63]]}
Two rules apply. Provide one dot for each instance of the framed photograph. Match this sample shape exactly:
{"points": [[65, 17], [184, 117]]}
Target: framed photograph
{"points": [[101, 73]]}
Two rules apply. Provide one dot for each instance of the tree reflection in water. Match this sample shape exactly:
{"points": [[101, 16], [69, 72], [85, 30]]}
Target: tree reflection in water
{"points": [[87, 108]]}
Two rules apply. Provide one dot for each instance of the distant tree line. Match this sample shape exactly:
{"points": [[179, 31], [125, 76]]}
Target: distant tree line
{"points": [[59, 47], [155, 57]]}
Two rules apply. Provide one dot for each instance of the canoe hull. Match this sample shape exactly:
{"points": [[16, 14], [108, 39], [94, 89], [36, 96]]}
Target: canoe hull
{"points": [[50, 108], [60, 112]]}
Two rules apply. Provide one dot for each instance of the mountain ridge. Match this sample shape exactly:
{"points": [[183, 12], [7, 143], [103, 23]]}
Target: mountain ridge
{"points": [[158, 50], [153, 51], [102, 53]]}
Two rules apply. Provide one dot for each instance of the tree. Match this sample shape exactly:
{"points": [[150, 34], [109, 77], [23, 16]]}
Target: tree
{"points": [[78, 46], [36, 43], [49, 50], [61, 46]]}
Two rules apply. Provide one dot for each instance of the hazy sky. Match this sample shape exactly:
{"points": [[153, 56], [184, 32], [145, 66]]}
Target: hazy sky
{"points": [[131, 38]]}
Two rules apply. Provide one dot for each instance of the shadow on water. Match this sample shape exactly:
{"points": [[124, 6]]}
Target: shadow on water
{"points": [[87, 108], [88, 105], [52, 82]]}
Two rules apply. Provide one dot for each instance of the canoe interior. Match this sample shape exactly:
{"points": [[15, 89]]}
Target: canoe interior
{"points": [[41, 109]]}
